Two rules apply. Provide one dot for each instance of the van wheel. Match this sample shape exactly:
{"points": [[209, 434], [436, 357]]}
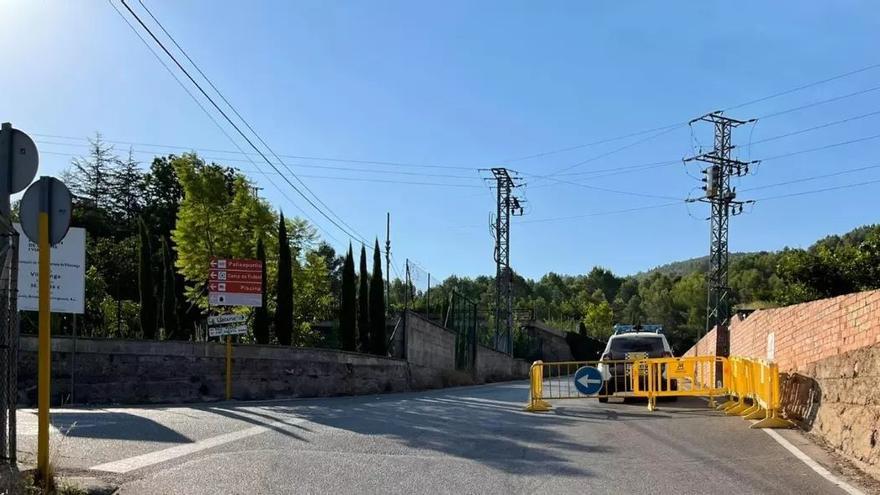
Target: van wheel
{"points": [[603, 400]]}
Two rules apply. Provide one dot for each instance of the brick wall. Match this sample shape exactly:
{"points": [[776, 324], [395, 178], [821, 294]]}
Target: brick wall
{"points": [[804, 333], [829, 351]]}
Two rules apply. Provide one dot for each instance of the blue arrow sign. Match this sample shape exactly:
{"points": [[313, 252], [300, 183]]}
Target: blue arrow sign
{"points": [[588, 380]]}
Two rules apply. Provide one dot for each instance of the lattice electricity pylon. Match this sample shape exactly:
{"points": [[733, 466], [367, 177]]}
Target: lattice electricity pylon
{"points": [[723, 202], [507, 205]]}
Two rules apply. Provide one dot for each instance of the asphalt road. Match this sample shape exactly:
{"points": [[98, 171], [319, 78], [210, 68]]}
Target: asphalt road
{"points": [[463, 440]]}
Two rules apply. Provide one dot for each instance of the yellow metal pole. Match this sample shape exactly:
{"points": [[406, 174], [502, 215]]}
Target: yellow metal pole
{"points": [[44, 356], [228, 367]]}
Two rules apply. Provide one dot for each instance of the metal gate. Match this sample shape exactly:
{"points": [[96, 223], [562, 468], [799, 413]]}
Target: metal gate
{"points": [[462, 319], [8, 339]]}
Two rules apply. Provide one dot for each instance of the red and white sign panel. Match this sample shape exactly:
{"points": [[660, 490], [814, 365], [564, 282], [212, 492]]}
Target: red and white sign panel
{"points": [[234, 282]]}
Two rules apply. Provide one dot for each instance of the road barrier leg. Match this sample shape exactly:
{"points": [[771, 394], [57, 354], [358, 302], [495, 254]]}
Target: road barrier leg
{"points": [[536, 389], [760, 413], [772, 421]]}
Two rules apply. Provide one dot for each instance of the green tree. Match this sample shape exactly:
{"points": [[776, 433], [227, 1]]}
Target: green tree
{"points": [[377, 304], [220, 215], [313, 299], [170, 321], [126, 190], [364, 304], [91, 176], [598, 318], [284, 288], [145, 284], [348, 305], [261, 314]]}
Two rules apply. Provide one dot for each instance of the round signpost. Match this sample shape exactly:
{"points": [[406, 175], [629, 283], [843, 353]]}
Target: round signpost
{"points": [[588, 380], [45, 219], [51, 196]]}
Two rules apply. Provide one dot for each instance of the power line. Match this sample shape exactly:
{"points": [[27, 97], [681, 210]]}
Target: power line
{"points": [[237, 129], [304, 165], [604, 189], [684, 123], [601, 213], [816, 191], [207, 113], [240, 152], [815, 177], [808, 129], [817, 103], [805, 86], [248, 125]]}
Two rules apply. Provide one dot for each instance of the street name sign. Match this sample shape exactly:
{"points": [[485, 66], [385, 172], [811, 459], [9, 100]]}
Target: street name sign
{"points": [[218, 320]]}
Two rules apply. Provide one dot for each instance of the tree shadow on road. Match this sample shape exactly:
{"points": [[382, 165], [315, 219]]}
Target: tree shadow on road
{"points": [[114, 426], [465, 423]]}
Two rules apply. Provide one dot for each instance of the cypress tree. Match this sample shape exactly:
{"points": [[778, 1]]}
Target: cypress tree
{"points": [[261, 314], [146, 288], [364, 304], [348, 305], [284, 288], [170, 322], [377, 305]]}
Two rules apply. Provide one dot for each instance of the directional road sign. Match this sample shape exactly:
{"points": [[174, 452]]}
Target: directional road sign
{"points": [[235, 282], [227, 330], [219, 320], [588, 380]]}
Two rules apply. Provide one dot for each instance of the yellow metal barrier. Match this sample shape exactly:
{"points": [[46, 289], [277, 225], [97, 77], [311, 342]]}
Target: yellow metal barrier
{"points": [[752, 384], [694, 376], [755, 384], [556, 381]]}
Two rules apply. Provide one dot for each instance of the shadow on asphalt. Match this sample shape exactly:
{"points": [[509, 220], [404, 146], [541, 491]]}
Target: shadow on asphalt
{"points": [[114, 426], [485, 425], [272, 424]]}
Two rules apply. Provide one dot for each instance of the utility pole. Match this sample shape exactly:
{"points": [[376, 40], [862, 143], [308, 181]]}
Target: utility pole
{"points": [[387, 261], [722, 200], [507, 205]]}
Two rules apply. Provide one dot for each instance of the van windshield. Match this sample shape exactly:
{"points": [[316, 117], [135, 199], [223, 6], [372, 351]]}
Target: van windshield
{"points": [[637, 344]]}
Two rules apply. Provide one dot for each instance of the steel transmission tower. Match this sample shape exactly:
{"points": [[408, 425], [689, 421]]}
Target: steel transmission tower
{"points": [[507, 205], [722, 200]]}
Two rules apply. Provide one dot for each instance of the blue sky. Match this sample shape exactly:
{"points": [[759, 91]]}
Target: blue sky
{"points": [[465, 85]]}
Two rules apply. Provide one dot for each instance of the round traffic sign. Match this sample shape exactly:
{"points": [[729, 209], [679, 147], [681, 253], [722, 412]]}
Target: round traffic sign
{"points": [[51, 195], [25, 159], [588, 380]]}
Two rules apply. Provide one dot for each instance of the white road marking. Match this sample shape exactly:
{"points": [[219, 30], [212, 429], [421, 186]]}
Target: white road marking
{"points": [[821, 471], [151, 458], [815, 466]]}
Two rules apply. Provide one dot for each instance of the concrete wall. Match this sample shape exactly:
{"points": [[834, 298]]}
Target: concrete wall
{"points": [[428, 344], [829, 351], [135, 371], [553, 345], [493, 366], [132, 371]]}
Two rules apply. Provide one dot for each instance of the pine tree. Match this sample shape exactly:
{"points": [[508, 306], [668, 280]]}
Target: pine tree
{"points": [[90, 177], [170, 322], [128, 185], [377, 305], [261, 314], [364, 304], [284, 288], [145, 283], [348, 305]]}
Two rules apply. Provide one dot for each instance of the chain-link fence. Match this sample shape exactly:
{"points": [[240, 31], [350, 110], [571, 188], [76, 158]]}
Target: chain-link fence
{"points": [[8, 339], [461, 317], [418, 296]]}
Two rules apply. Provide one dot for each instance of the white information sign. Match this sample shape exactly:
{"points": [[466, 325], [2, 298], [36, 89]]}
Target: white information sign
{"points": [[68, 273], [225, 319], [227, 330]]}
